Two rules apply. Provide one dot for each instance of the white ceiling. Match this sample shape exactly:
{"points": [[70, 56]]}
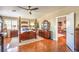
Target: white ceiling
{"points": [[7, 11]]}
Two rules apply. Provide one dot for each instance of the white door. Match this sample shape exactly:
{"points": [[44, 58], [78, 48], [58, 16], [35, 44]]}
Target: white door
{"points": [[70, 31]]}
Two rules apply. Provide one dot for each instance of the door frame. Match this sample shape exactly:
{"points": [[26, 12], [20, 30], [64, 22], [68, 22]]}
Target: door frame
{"points": [[66, 29], [57, 26], [2, 40]]}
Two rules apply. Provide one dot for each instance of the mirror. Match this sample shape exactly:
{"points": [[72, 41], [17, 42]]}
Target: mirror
{"points": [[45, 25]]}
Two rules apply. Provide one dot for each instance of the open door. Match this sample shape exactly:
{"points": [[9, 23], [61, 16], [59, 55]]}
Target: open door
{"points": [[70, 31]]}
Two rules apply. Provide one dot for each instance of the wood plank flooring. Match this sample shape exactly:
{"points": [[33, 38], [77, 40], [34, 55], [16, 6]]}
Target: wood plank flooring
{"points": [[46, 45]]}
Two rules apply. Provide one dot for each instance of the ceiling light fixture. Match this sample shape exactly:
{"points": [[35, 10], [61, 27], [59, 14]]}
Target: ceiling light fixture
{"points": [[29, 9]]}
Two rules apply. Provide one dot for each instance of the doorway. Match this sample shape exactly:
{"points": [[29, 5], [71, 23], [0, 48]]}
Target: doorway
{"points": [[61, 33], [65, 30]]}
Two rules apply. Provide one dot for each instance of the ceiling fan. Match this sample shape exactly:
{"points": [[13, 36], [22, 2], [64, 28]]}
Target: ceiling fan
{"points": [[29, 8]]}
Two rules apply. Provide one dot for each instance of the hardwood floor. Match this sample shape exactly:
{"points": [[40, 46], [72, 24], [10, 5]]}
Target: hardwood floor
{"points": [[45, 45]]}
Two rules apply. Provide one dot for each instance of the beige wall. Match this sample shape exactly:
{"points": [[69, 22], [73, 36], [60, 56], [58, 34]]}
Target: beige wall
{"points": [[51, 17]]}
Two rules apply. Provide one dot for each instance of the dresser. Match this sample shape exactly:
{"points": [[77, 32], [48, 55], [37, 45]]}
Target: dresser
{"points": [[77, 39], [45, 30], [45, 34], [14, 33]]}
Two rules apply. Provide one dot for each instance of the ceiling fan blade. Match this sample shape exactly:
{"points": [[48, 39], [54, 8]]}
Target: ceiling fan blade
{"points": [[34, 8], [22, 8]]}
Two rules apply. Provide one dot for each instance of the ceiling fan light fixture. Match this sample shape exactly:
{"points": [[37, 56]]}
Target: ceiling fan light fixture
{"points": [[29, 9], [30, 12]]}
